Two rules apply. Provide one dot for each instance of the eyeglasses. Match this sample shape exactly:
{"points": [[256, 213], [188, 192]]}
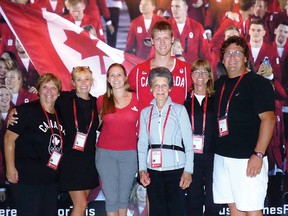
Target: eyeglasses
{"points": [[198, 72], [236, 53]]}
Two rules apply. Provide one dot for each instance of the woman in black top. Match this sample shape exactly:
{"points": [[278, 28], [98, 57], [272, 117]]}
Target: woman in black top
{"points": [[33, 150], [199, 105], [78, 110]]}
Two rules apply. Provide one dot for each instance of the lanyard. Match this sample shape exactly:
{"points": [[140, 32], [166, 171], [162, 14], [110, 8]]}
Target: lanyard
{"points": [[51, 127], [204, 114], [76, 119], [231, 94], [164, 126]]}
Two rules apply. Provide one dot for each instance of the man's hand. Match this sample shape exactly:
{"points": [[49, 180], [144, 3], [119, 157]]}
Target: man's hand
{"points": [[265, 70], [254, 166]]}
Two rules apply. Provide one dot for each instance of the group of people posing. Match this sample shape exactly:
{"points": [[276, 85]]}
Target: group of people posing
{"points": [[165, 121]]}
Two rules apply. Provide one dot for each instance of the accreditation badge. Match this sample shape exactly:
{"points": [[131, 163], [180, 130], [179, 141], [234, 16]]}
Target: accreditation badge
{"points": [[54, 160], [223, 126], [80, 141], [198, 143], [156, 158]]}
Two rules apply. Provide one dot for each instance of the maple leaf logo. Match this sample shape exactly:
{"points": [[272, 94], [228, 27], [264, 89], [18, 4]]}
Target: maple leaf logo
{"points": [[86, 46]]}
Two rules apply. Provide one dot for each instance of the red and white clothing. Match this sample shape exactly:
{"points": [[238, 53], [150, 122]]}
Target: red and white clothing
{"points": [[138, 80], [7, 42], [197, 14], [193, 40], [96, 8], [57, 7], [87, 20], [265, 50], [29, 71], [137, 34], [121, 124], [24, 96], [216, 11], [271, 21]]}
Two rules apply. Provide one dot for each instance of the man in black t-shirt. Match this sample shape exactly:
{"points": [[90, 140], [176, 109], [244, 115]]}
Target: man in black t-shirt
{"points": [[244, 103]]}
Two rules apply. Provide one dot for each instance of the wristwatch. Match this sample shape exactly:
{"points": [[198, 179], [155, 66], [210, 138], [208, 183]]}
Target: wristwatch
{"points": [[260, 155]]}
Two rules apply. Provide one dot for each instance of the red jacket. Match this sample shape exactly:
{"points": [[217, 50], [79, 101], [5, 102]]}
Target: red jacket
{"points": [[45, 5], [87, 20], [193, 40], [137, 34]]}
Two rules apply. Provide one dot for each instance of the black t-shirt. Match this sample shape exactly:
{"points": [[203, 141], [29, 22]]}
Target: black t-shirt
{"points": [[35, 144], [254, 95], [209, 125]]}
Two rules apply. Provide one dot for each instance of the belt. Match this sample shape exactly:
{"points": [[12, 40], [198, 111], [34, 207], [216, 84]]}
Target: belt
{"points": [[172, 147]]}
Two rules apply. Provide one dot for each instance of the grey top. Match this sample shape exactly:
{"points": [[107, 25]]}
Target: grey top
{"points": [[178, 128]]}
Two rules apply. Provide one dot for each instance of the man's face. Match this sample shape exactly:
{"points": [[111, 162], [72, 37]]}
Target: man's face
{"points": [[281, 34], [162, 42], [179, 9], [77, 11], [234, 60], [146, 6], [256, 33], [260, 8]]}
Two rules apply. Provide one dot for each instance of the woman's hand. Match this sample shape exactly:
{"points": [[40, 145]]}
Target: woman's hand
{"points": [[185, 180], [11, 118], [144, 178], [12, 175]]}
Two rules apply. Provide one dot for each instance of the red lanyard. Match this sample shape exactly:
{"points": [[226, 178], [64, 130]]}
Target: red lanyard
{"points": [[165, 122], [76, 119], [204, 114], [51, 126], [231, 94]]}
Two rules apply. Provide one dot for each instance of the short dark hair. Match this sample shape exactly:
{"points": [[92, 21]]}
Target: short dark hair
{"points": [[239, 41], [160, 72]]}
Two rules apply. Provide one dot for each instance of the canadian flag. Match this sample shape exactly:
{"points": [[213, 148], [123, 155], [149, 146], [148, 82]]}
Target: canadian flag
{"points": [[56, 45]]}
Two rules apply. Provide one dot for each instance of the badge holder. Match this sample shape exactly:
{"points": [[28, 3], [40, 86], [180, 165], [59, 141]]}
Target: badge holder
{"points": [[198, 143], [54, 160], [156, 158], [223, 126], [80, 141]]}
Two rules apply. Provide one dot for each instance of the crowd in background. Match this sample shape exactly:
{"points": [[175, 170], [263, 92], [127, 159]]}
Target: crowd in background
{"points": [[199, 28]]}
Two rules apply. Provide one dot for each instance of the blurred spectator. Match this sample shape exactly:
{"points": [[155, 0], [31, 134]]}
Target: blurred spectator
{"points": [[133, 8], [177, 50], [14, 80], [26, 66], [10, 58], [76, 15], [215, 12], [3, 70], [189, 32], [114, 7], [196, 10], [5, 106], [55, 6], [245, 11], [139, 35]]}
